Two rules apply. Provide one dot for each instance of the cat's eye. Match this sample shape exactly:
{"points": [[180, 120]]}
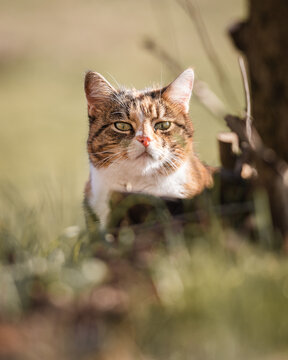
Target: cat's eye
{"points": [[123, 126], [162, 125]]}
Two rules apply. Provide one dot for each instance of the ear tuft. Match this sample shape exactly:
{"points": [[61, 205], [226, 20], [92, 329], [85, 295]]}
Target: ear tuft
{"points": [[97, 88], [180, 90]]}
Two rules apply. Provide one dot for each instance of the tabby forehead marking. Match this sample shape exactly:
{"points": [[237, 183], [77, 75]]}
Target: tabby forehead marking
{"points": [[141, 117]]}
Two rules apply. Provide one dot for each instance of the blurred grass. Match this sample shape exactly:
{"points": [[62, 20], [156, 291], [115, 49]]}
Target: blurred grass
{"points": [[218, 297], [218, 305]]}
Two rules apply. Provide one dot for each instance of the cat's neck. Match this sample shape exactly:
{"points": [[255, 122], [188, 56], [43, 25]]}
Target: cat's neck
{"points": [[158, 184], [186, 181]]}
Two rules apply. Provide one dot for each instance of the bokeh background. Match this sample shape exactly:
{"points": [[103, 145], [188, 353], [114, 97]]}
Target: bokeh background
{"points": [[45, 49]]}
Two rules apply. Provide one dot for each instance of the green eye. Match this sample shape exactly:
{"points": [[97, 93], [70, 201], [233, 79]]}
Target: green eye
{"points": [[163, 125], [122, 126]]}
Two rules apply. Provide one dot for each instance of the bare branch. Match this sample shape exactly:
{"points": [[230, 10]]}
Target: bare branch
{"points": [[247, 98], [202, 92], [209, 99], [191, 7], [173, 65]]}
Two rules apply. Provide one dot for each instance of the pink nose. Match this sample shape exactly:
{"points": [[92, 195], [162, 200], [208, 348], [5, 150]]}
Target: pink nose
{"points": [[144, 140]]}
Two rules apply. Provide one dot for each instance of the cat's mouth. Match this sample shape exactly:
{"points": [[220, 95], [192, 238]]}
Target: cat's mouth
{"points": [[144, 155]]}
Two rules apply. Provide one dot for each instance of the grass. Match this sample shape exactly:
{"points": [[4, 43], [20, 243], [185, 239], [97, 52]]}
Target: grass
{"points": [[213, 296], [218, 305]]}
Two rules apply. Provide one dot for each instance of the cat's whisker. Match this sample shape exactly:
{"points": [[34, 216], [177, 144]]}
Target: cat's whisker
{"points": [[117, 99], [113, 78], [110, 153], [101, 164], [107, 159], [102, 152], [172, 163], [165, 170]]}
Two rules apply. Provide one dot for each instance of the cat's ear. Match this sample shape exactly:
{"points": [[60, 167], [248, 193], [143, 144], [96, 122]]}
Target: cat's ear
{"points": [[97, 89], [180, 90]]}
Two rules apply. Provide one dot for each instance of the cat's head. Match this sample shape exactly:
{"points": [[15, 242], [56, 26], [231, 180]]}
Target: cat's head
{"points": [[149, 131]]}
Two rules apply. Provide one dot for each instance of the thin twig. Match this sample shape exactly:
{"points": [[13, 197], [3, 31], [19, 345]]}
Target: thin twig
{"points": [[173, 65], [193, 10], [245, 80], [202, 92], [209, 99]]}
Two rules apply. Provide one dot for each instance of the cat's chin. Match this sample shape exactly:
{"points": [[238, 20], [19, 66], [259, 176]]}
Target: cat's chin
{"points": [[144, 156], [146, 165]]}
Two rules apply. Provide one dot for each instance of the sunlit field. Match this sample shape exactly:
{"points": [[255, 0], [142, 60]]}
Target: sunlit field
{"points": [[209, 296], [47, 47]]}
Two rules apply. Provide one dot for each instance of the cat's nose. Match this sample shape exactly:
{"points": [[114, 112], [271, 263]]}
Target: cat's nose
{"points": [[144, 140]]}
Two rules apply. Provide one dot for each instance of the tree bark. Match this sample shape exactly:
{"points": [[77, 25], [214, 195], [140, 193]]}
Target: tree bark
{"points": [[263, 38]]}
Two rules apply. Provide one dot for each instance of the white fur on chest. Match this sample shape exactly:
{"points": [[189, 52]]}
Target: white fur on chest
{"points": [[103, 181]]}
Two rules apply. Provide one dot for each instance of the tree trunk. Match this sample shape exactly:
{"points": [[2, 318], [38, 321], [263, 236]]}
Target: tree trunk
{"points": [[263, 38]]}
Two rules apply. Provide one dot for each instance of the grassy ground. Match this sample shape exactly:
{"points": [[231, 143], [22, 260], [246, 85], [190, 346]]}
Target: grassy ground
{"points": [[214, 296]]}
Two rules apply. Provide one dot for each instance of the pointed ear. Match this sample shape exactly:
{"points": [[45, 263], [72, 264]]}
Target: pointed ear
{"points": [[97, 89], [180, 90]]}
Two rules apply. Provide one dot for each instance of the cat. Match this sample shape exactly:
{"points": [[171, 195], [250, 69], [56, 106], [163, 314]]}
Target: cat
{"points": [[141, 141]]}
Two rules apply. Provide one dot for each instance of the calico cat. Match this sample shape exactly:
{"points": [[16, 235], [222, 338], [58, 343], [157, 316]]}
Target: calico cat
{"points": [[141, 141]]}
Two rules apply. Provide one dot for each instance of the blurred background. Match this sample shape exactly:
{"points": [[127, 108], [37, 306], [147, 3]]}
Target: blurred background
{"points": [[45, 49]]}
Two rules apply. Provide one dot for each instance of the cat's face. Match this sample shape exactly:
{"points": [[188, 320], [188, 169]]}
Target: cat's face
{"points": [[146, 131]]}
